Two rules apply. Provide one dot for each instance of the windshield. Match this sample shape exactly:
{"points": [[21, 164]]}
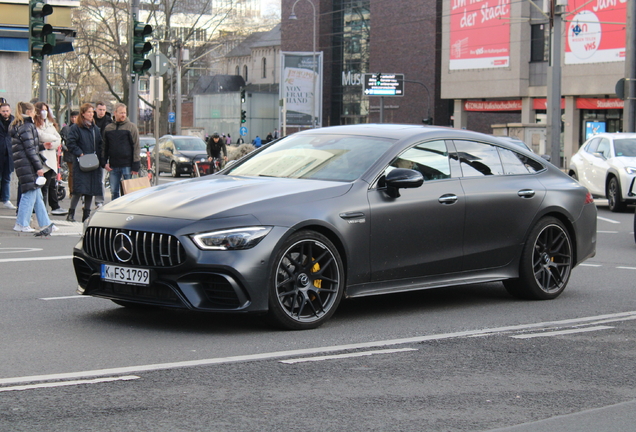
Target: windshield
{"points": [[625, 147], [189, 144], [321, 157]]}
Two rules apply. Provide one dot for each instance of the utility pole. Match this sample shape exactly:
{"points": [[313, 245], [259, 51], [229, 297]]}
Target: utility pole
{"points": [[133, 85], [629, 108], [178, 95], [44, 72], [553, 129]]}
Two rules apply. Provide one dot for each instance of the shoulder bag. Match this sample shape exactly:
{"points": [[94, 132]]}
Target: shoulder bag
{"points": [[90, 161]]}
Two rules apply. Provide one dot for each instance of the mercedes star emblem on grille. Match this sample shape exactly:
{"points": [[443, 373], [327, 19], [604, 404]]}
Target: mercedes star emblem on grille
{"points": [[123, 247]]}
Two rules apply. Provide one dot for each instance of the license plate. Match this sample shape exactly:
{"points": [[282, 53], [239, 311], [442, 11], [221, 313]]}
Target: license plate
{"points": [[126, 275]]}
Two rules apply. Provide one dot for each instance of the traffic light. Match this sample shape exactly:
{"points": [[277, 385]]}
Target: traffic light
{"points": [[40, 44], [378, 79], [140, 64], [243, 116], [242, 95]]}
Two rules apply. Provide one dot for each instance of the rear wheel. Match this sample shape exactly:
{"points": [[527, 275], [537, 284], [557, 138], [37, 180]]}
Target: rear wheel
{"points": [[574, 176], [307, 282], [614, 196], [546, 262]]}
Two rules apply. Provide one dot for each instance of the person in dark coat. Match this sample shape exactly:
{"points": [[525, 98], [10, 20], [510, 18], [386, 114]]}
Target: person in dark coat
{"points": [[29, 169], [6, 158], [84, 137]]}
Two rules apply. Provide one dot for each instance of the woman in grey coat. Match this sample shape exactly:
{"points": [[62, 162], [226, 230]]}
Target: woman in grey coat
{"points": [[83, 138]]}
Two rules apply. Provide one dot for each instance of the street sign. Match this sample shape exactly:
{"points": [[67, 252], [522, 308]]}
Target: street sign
{"points": [[172, 117], [164, 63], [383, 84], [243, 131]]}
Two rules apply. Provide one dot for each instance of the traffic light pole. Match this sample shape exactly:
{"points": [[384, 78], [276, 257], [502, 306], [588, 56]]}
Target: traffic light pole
{"points": [[133, 87], [44, 72]]}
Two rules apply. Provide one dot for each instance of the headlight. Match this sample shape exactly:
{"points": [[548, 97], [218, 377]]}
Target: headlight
{"points": [[183, 159], [630, 170], [233, 239]]}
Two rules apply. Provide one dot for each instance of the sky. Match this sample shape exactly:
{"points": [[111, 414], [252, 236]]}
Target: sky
{"points": [[268, 5]]}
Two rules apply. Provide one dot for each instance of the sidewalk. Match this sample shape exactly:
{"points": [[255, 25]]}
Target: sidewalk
{"points": [[7, 221]]}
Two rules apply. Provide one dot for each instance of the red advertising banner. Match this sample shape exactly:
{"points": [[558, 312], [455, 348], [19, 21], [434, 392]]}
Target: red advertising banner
{"points": [[507, 105], [479, 34], [542, 104], [595, 104], [595, 31]]}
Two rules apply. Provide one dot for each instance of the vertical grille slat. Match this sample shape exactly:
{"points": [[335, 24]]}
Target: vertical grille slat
{"points": [[149, 249]]}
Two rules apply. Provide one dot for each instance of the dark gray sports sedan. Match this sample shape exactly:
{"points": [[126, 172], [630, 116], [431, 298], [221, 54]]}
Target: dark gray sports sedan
{"points": [[349, 211]]}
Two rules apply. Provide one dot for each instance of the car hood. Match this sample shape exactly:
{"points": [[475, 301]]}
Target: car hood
{"points": [[191, 153], [223, 196]]}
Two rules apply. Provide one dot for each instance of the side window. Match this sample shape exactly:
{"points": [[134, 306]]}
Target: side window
{"points": [[593, 145], [478, 159], [604, 148], [429, 158], [516, 163]]}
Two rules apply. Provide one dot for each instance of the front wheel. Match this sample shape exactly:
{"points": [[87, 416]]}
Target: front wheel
{"points": [[307, 282], [173, 170], [546, 262], [614, 196]]}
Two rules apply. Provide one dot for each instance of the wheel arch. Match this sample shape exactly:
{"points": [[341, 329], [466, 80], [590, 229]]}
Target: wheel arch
{"points": [[612, 173], [569, 226]]}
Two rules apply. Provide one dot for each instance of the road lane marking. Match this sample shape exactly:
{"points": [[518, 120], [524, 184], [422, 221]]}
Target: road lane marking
{"points": [[61, 257], [307, 351], [65, 297], [608, 220], [343, 356], [18, 250], [591, 265], [68, 383], [561, 332], [627, 268], [607, 232]]}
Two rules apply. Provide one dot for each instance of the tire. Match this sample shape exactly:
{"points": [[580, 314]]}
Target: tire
{"points": [[574, 176], [173, 170], [546, 262], [61, 192], [614, 196], [306, 283]]}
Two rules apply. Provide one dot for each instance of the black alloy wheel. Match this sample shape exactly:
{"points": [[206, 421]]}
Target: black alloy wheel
{"points": [[614, 196], [307, 282], [546, 262], [173, 170]]}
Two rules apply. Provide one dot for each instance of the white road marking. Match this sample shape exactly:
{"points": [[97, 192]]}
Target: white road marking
{"points": [[68, 383], [627, 268], [561, 332], [591, 265], [607, 220], [307, 351], [65, 297], [342, 356], [61, 257], [607, 232], [19, 250]]}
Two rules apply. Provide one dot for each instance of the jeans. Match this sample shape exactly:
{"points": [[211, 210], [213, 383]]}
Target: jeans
{"points": [[30, 200], [115, 180], [5, 181]]}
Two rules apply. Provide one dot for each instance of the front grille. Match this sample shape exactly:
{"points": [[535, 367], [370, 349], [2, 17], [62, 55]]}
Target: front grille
{"points": [[149, 249]]}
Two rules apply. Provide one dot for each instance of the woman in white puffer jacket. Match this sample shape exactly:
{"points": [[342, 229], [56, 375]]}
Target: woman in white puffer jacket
{"points": [[50, 142]]}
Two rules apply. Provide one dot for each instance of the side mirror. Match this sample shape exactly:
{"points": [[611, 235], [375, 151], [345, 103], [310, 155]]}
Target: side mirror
{"points": [[599, 155], [402, 178]]}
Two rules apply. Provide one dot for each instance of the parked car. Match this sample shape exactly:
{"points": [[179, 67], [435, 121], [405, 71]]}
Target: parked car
{"points": [[606, 165], [177, 153], [347, 211]]}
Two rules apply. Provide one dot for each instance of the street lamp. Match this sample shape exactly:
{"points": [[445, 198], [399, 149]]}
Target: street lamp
{"points": [[313, 101]]}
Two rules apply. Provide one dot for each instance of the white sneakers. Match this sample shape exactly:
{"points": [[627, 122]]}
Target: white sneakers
{"points": [[59, 211], [20, 228], [8, 205]]}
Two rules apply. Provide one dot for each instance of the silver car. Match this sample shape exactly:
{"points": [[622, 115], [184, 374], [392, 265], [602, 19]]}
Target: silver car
{"points": [[606, 165]]}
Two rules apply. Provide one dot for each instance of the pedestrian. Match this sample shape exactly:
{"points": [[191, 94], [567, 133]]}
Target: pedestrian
{"points": [[269, 138], [84, 138], [50, 142], [240, 141], [102, 119], [121, 149], [257, 142], [6, 155], [275, 133], [29, 169], [215, 146], [228, 140], [67, 156]]}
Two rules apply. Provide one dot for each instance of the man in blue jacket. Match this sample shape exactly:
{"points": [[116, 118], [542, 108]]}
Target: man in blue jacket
{"points": [[6, 155]]}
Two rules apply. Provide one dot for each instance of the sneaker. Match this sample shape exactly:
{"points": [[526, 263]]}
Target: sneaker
{"points": [[20, 228], [54, 228], [99, 205], [59, 211], [8, 205]]}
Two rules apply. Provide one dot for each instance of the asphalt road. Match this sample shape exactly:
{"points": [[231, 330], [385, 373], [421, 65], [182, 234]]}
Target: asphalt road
{"points": [[460, 358]]}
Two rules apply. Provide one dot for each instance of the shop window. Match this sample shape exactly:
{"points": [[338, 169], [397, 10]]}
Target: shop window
{"points": [[264, 67]]}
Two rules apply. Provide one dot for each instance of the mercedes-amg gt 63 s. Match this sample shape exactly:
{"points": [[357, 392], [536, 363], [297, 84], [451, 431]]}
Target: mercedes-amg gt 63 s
{"points": [[345, 211]]}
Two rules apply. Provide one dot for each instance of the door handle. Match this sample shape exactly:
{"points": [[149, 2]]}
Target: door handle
{"points": [[351, 215], [526, 193], [447, 199]]}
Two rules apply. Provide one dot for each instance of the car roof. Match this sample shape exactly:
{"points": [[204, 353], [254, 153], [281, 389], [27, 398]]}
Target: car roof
{"points": [[614, 135]]}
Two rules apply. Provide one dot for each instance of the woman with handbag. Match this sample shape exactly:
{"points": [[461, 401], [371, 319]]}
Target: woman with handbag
{"points": [[85, 143], [29, 170], [51, 140]]}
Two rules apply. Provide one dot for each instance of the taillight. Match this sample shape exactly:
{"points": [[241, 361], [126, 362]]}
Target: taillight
{"points": [[588, 198]]}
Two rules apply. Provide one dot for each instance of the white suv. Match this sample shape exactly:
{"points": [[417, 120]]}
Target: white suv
{"points": [[606, 165]]}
